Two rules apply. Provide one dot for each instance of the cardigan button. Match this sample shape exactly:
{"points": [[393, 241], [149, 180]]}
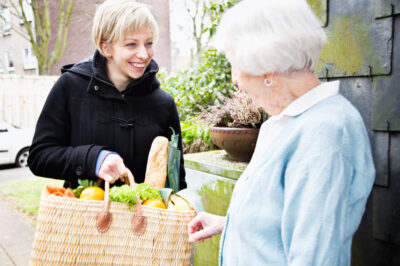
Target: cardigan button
{"points": [[96, 88]]}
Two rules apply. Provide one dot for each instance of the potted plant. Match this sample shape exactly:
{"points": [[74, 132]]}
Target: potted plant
{"points": [[234, 125]]}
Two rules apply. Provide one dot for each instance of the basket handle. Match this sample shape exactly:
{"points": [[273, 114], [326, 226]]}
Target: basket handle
{"points": [[104, 218]]}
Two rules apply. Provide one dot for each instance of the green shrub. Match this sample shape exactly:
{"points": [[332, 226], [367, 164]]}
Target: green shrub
{"points": [[196, 136], [195, 89], [194, 129]]}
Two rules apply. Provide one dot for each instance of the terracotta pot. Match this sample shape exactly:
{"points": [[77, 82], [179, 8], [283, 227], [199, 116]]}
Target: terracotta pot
{"points": [[239, 143]]}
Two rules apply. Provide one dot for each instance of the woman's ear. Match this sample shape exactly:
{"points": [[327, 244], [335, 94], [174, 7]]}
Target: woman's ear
{"points": [[269, 75], [106, 49], [268, 79]]}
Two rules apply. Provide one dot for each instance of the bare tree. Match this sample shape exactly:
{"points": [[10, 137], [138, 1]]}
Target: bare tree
{"points": [[39, 31], [193, 22], [199, 18], [203, 17]]}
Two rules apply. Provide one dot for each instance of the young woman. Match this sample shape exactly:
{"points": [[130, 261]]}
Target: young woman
{"points": [[103, 114]]}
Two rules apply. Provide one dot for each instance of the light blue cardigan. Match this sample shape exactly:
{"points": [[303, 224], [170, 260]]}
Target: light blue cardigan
{"points": [[301, 201]]}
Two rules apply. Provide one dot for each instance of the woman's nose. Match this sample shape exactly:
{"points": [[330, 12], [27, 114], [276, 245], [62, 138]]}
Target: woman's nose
{"points": [[142, 52]]}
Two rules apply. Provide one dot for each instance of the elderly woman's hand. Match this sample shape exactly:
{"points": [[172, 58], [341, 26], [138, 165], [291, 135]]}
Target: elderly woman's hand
{"points": [[205, 225], [113, 168]]}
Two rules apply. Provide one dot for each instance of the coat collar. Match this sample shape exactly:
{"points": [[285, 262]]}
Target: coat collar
{"points": [[95, 68], [99, 70]]}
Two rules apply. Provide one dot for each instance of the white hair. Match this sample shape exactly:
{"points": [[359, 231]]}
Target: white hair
{"points": [[266, 36]]}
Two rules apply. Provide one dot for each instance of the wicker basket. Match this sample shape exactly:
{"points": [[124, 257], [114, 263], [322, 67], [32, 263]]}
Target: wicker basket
{"points": [[67, 234]]}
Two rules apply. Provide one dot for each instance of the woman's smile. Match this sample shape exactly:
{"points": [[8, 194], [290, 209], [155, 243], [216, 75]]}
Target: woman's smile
{"points": [[138, 67]]}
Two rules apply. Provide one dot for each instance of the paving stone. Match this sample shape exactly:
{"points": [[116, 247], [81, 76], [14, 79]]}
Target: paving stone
{"points": [[4, 258], [16, 237], [19, 248], [22, 259]]}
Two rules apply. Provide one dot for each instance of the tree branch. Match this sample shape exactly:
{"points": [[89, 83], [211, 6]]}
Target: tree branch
{"points": [[62, 33]]}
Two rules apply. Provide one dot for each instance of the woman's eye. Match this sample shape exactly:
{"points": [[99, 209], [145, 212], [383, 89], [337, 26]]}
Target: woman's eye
{"points": [[149, 44], [131, 44]]}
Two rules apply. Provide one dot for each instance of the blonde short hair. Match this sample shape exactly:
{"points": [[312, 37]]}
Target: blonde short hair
{"points": [[114, 19], [266, 36]]}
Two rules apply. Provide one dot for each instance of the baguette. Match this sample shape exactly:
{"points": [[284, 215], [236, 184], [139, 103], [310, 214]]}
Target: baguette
{"points": [[157, 163]]}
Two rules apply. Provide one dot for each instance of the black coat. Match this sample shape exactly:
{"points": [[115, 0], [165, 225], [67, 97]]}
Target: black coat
{"points": [[84, 114]]}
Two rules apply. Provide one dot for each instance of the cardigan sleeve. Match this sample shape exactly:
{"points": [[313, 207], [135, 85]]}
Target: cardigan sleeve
{"points": [[315, 211]]}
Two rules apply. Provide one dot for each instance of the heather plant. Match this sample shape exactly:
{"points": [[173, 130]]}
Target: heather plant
{"points": [[236, 111]]}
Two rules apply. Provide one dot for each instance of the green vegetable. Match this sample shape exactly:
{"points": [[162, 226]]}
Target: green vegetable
{"points": [[174, 162], [126, 194], [84, 183], [146, 192]]}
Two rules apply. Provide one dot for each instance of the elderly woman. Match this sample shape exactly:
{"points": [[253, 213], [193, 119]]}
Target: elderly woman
{"points": [[102, 115], [303, 194]]}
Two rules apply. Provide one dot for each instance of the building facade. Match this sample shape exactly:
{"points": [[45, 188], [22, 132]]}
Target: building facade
{"points": [[16, 56]]}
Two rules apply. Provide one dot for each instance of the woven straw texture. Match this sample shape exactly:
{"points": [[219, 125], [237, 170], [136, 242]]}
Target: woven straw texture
{"points": [[66, 234]]}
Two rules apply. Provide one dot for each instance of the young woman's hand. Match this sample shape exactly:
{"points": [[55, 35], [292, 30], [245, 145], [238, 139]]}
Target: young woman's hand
{"points": [[113, 168], [205, 225]]}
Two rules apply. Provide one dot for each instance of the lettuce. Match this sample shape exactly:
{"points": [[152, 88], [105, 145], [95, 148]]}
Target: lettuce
{"points": [[146, 192], [126, 194]]}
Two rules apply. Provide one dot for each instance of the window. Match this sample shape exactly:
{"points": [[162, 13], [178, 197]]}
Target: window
{"points": [[9, 62], [6, 21], [30, 61], [28, 11]]}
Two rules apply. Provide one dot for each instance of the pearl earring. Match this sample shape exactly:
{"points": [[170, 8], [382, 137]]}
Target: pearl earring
{"points": [[268, 82]]}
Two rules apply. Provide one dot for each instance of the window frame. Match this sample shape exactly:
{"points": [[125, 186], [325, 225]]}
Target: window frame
{"points": [[6, 21]]}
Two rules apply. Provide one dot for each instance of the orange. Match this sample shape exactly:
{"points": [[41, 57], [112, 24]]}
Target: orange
{"points": [[92, 193], [155, 203]]}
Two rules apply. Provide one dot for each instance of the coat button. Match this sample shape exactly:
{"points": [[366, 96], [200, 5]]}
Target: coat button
{"points": [[96, 88], [123, 95], [79, 171]]}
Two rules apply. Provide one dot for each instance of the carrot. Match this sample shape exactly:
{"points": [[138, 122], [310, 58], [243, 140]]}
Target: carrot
{"points": [[59, 191]]}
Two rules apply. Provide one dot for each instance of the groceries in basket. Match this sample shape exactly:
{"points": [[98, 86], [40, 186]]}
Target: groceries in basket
{"points": [[149, 196], [149, 192]]}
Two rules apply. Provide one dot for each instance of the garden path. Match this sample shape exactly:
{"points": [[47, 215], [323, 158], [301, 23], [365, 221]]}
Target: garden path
{"points": [[16, 233]]}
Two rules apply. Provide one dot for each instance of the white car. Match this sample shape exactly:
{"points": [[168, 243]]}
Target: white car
{"points": [[14, 144]]}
